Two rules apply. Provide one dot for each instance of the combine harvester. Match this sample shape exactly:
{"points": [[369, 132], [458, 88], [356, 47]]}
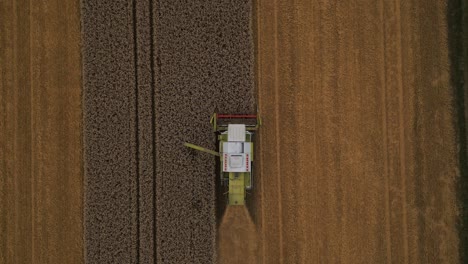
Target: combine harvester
{"points": [[236, 152]]}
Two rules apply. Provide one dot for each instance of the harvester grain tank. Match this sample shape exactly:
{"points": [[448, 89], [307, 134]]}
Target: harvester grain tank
{"points": [[235, 134]]}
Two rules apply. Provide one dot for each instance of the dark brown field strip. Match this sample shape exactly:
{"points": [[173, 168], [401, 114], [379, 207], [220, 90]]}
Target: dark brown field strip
{"points": [[153, 74], [109, 132]]}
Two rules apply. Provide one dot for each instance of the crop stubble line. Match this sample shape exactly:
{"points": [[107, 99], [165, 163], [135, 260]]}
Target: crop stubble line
{"points": [[3, 205], [402, 130], [385, 135], [259, 98], [32, 129], [277, 119], [14, 127], [314, 109]]}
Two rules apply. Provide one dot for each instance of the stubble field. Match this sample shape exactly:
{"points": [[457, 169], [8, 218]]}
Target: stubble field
{"points": [[357, 153]]}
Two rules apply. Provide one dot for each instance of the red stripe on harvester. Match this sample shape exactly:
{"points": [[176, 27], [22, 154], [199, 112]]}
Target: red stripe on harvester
{"points": [[225, 162], [236, 116], [247, 162]]}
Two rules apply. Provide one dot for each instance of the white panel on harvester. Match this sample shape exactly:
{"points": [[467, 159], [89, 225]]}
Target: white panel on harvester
{"points": [[233, 147], [236, 132], [247, 147]]}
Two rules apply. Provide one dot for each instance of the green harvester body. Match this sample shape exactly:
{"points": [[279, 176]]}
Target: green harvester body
{"points": [[235, 134]]}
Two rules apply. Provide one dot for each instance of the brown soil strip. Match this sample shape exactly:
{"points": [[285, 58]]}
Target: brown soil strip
{"points": [[41, 138], [367, 145], [238, 240]]}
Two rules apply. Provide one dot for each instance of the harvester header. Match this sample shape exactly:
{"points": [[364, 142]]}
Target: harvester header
{"points": [[220, 122]]}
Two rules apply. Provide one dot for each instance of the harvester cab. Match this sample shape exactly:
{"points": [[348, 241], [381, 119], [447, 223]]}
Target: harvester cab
{"points": [[235, 134]]}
